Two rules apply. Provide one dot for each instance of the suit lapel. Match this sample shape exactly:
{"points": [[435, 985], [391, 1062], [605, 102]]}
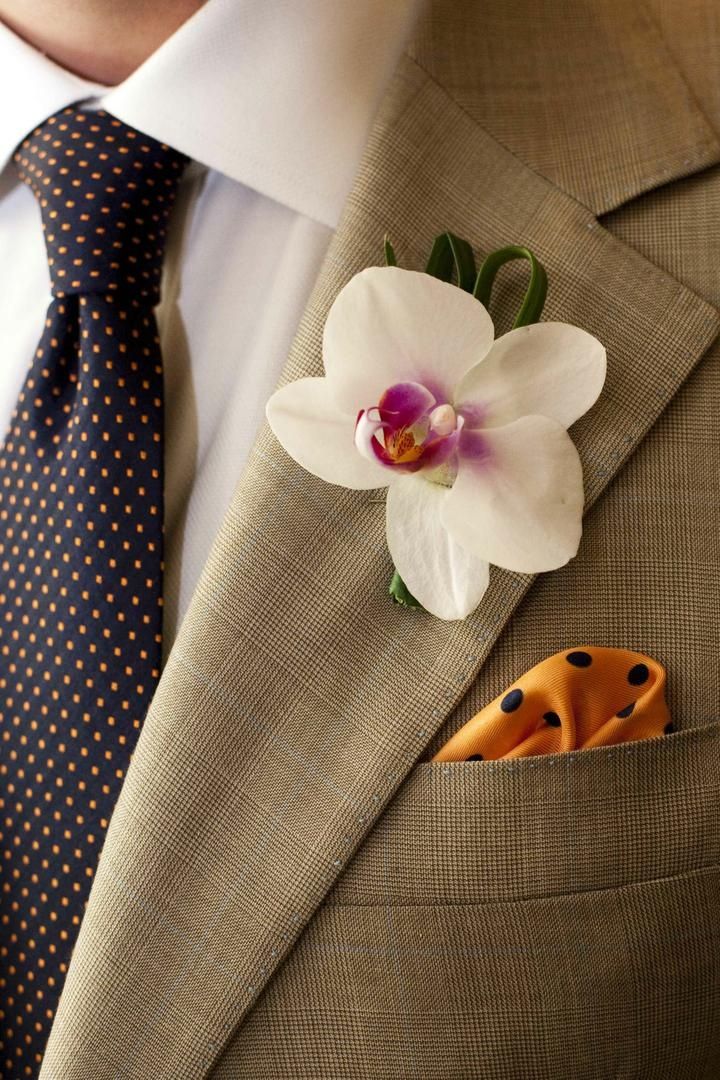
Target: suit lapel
{"points": [[586, 94], [297, 698]]}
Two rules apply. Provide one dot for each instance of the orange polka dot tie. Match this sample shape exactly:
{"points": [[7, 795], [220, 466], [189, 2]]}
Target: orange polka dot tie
{"points": [[574, 700], [81, 519]]}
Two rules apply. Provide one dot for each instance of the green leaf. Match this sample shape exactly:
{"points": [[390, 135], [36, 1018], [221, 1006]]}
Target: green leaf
{"points": [[401, 594], [451, 254], [464, 262], [390, 257], [534, 301], [441, 262]]}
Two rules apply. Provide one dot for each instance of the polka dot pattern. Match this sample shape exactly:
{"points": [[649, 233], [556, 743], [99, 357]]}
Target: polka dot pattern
{"points": [[512, 701], [638, 675], [571, 701], [81, 518], [579, 658]]}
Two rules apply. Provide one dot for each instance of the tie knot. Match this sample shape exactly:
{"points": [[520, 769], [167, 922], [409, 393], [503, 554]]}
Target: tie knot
{"points": [[105, 192]]}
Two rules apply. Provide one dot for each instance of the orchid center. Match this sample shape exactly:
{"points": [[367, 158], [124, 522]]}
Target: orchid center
{"points": [[408, 429]]}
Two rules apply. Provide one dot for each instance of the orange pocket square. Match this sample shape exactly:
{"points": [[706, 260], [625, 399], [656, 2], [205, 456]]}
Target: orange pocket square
{"points": [[578, 698]]}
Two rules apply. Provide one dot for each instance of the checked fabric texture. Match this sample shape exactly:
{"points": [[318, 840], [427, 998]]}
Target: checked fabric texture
{"points": [[81, 521]]}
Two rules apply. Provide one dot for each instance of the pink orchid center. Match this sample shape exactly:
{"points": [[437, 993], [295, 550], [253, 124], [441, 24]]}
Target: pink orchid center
{"points": [[408, 429]]}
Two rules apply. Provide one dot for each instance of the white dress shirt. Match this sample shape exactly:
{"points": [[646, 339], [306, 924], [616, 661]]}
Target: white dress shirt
{"points": [[273, 103]]}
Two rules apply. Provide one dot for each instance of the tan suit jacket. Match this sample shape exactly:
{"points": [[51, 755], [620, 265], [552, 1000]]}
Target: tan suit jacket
{"points": [[289, 888]]}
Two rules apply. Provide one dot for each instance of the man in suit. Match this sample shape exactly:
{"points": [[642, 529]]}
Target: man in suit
{"points": [[289, 886]]}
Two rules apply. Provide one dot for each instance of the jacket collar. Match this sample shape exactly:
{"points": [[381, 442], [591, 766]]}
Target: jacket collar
{"points": [[297, 698], [589, 97], [282, 105]]}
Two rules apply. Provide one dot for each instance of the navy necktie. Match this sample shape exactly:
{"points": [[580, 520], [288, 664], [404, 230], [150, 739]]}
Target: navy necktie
{"points": [[81, 521]]}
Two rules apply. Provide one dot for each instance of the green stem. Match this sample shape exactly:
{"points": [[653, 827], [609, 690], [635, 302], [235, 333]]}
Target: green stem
{"points": [[534, 300], [401, 594]]}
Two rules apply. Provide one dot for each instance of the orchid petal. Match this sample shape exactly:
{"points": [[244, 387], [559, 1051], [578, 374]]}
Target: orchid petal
{"points": [[446, 579], [313, 431], [404, 403], [546, 369], [518, 502], [392, 326]]}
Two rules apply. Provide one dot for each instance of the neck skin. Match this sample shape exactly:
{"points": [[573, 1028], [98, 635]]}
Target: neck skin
{"points": [[101, 40]]}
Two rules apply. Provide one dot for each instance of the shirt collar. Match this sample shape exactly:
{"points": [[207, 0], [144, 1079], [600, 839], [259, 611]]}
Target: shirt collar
{"points": [[32, 88], [279, 97]]}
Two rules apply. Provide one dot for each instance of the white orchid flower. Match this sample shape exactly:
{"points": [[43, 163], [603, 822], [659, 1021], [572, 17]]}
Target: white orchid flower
{"points": [[468, 434]]}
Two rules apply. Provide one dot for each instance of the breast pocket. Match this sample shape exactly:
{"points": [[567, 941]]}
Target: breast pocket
{"points": [[492, 831], [542, 918]]}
